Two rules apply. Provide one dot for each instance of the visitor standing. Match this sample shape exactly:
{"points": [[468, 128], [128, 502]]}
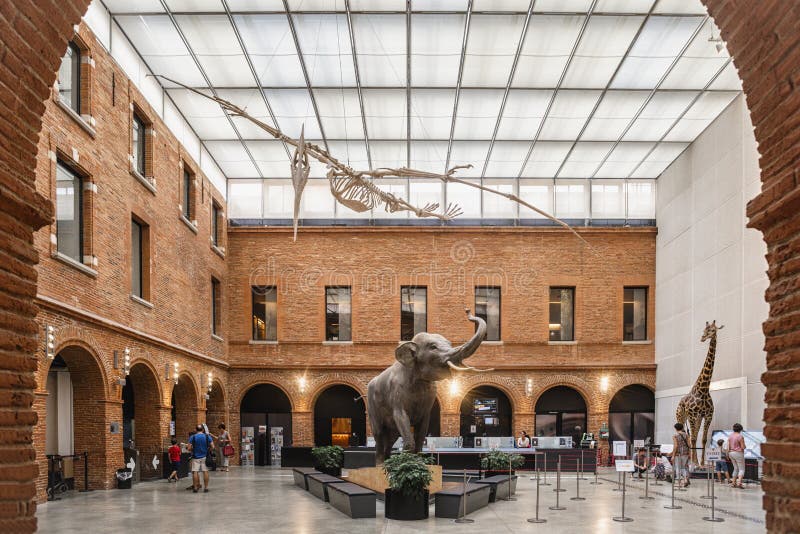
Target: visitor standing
{"points": [[226, 446], [200, 444], [174, 453], [680, 454], [736, 454], [721, 465]]}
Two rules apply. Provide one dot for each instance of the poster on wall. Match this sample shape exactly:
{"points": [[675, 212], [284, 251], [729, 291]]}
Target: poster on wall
{"points": [[275, 444], [247, 445], [638, 444], [620, 448]]}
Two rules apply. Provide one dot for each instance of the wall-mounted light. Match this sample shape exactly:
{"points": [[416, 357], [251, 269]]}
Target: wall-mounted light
{"points": [[50, 342], [175, 373], [529, 387], [603, 384], [210, 383], [302, 383], [454, 388], [127, 361]]}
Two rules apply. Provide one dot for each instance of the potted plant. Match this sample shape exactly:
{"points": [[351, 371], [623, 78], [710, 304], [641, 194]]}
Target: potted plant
{"points": [[328, 459], [498, 462], [407, 494]]}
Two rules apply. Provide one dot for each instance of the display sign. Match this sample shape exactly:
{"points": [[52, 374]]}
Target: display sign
{"points": [[638, 444], [713, 455], [624, 466], [620, 448], [484, 407], [473, 429]]}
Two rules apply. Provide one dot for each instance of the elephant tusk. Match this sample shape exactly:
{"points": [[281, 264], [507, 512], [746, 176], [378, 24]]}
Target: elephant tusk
{"points": [[467, 368]]}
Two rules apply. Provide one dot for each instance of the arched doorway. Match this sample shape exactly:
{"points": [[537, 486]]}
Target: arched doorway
{"points": [[561, 411], [631, 414], [216, 412], [76, 394], [340, 412], [435, 424], [184, 408], [265, 416], [141, 431], [485, 411]]}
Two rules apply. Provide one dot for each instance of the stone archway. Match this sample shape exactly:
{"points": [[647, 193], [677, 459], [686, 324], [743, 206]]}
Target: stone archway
{"points": [[216, 407], [143, 427], [763, 41], [185, 407]]}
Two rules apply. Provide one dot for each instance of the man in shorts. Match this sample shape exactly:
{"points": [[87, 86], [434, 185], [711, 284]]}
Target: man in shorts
{"points": [[200, 444]]}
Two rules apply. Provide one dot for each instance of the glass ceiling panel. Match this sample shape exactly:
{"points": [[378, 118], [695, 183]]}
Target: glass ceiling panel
{"points": [[428, 156], [271, 158], [569, 113], [469, 153], [687, 7], [546, 158], [422, 192], [584, 159], [232, 158], [523, 113], [500, 5], [700, 115], [372, 5], [468, 198], [353, 153], [601, 49], [431, 113], [659, 114], [214, 42], [257, 5], [439, 5], [623, 6], [293, 109], [699, 63], [562, 6], [195, 5], [658, 160], [507, 158], [546, 50], [538, 193], [140, 6], [491, 47], [436, 49], [325, 42], [204, 116], [496, 206], [251, 101], [728, 80], [340, 112], [477, 113], [613, 115], [623, 159], [312, 5], [390, 154], [269, 43], [385, 111], [657, 46], [381, 48]]}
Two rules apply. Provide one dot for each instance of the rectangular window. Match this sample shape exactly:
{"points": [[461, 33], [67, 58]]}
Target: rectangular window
{"points": [[634, 314], [487, 307], [265, 313], [139, 142], [137, 259], [413, 311], [69, 78], [216, 308], [69, 212], [337, 313], [186, 198], [216, 219], [562, 314]]}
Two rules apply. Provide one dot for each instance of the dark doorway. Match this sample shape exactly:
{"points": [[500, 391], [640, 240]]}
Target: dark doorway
{"points": [[435, 425], [485, 411], [561, 411], [631, 414], [266, 407], [338, 413]]}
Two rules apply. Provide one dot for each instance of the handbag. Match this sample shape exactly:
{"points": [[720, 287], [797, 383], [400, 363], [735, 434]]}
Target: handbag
{"points": [[228, 451]]}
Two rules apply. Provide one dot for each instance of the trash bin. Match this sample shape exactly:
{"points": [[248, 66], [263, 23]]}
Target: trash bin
{"points": [[124, 478]]}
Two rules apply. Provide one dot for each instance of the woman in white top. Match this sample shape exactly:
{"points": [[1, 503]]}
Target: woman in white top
{"points": [[523, 441]]}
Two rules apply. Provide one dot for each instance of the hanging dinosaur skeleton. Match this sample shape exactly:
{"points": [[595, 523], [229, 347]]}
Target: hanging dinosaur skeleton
{"points": [[356, 189]]}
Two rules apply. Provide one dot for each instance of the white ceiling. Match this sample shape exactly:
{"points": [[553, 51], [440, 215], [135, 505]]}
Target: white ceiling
{"points": [[545, 89]]}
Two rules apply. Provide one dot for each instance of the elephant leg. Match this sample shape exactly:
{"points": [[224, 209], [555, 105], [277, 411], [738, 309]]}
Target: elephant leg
{"points": [[420, 431], [380, 445], [391, 437], [404, 427]]}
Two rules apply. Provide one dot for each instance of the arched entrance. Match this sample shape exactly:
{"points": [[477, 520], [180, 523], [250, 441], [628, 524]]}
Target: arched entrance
{"points": [[184, 408], [265, 416], [561, 411], [435, 425], [485, 411], [631, 414], [76, 416], [340, 412], [216, 412], [141, 426]]}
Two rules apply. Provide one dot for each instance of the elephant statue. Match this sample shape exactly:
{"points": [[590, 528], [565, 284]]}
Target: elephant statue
{"points": [[401, 397]]}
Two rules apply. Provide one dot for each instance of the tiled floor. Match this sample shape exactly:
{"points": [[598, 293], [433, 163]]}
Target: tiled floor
{"points": [[266, 500]]}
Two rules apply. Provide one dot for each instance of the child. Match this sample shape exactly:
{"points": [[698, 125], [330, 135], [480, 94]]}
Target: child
{"points": [[721, 466], [175, 460]]}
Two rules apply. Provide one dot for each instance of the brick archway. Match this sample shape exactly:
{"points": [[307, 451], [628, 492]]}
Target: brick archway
{"points": [[185, 399], [149, 429], [761, 36]]}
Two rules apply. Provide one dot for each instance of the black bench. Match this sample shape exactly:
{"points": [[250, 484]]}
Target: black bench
{"points": [[318, 484], [457, 475], [352, 500], [300, 474], [353, 459], [501, 486], [449, 502]]}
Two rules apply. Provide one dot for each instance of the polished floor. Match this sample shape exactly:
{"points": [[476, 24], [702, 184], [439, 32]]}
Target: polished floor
{"points": [[266, 500]]}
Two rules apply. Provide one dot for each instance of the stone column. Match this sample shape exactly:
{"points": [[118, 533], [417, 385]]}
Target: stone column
{"points": [[303, 429]]}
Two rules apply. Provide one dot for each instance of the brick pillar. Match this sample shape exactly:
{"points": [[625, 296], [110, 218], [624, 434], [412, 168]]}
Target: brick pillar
{"points": [[523, 421], [303, 429], [451, 424], [39, 439]]}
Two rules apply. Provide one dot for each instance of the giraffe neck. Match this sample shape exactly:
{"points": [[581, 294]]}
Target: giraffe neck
{"points": [[704, 380]]}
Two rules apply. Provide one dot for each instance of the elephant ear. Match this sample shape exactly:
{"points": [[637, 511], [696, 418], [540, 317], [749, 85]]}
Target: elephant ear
{"points": [[406, 353]]}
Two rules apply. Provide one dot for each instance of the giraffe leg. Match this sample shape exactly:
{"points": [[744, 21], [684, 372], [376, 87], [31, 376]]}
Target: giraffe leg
{"points": [[693, 430], [704, 443]]}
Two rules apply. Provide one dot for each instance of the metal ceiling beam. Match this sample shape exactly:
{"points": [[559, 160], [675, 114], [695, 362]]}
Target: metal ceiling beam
{"points": [[440, 88], [605, 90], [507, 88], [650, 96], [558, 87], [396, 12], [677, 120], [208, 81], [305, 72], [358, 80], [464, 41], [408, 83]]}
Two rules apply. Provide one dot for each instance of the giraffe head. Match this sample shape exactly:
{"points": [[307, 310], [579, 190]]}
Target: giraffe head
{"points": [[711, 330]]}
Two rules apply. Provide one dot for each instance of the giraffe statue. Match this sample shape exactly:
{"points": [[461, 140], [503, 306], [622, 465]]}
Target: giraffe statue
{"points": [[696, 407]]}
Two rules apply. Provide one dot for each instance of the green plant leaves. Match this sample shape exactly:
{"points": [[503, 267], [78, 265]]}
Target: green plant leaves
{"points": [[499, 461], [408, 473], [328, 457]]}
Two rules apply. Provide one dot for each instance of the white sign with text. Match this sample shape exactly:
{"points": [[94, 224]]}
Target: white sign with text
{"points": [[620, 448], [624, 466]]}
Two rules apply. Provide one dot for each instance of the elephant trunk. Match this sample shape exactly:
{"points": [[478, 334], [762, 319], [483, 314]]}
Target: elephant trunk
{"points": [[458, 354]]}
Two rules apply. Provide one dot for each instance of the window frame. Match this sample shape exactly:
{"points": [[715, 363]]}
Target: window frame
{"points": [[413, 315], [141, 259], [216, 305], [560, 304], [139, 142], [216, 215], [350, 293], [265, 289], [187, 193], [646, 314], [76, 60], [499, 313], [78, 179]]}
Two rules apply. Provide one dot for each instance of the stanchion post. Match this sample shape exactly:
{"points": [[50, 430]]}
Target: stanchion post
{"points": [[464, 518], [619, 482], [647, 495], [545, 483], [577, 496], [622, 518], [672, 506], [713, 517], [708, 484], [85, 471], [582, 477], [509, 497], [558, 485], [536, 519], [558, 476]]}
